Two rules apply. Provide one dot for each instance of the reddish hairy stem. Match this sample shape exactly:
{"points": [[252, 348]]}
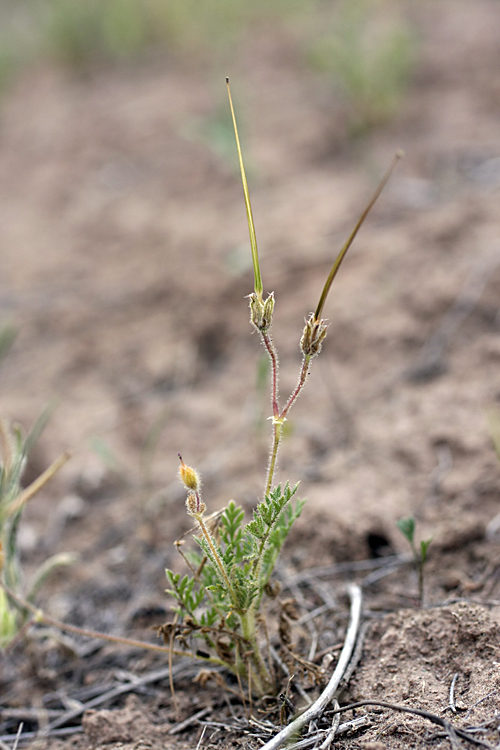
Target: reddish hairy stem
{"points": [[273, 356], [304, 371]]}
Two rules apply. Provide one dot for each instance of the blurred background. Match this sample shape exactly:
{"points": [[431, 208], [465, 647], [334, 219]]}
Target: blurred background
{"points": [[124, 263]]}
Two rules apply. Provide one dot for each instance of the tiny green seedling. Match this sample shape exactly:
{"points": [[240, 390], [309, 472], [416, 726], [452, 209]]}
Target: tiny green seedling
{"points": [[407, 528], [219, 615]]}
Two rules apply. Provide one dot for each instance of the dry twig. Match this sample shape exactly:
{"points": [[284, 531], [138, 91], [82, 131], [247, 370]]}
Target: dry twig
{"points": [[182, 725], [317, 708], [449, 728], [451, 704]]}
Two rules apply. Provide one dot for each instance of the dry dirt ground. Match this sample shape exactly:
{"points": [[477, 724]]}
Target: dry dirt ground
{"points": [[124, 266]]}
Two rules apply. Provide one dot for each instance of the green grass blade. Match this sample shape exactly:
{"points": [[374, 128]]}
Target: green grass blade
{"points": [[39, 426], [251, 227], [350, 239]]}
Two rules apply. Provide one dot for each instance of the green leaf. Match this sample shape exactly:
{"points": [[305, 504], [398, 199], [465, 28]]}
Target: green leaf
{"points": [[209, 617], [407, 528], [277, 539], [39, 426], [256, 527], [172, 577], [424, 546], [231, 525]]}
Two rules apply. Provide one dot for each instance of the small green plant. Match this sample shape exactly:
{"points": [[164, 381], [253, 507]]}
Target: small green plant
{"points": [[14, 451], [229, 577], [407, 528], [219, 602]]}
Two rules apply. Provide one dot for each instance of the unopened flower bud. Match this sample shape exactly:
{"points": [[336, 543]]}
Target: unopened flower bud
{"points": [[189, 477], [312, 336], [267, 317], [261, 313], [194, 505]]}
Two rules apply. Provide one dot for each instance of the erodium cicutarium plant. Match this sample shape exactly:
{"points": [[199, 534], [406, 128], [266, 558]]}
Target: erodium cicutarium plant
{"points": [[219, 613]]}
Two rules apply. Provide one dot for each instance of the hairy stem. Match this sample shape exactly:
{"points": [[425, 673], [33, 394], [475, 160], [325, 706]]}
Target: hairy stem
{"points": [[277, 421], [277, 435], [304, 372], [279, 417], [220, 565], [260, 676], [273, 356]]}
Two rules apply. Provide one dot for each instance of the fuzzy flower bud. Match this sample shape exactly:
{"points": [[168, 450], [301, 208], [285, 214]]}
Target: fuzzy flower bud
{"points": [[312, 336], [194, 505], [189, 477], [261, 313]]}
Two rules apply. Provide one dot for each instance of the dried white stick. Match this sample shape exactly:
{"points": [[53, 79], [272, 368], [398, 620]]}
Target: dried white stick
{"points": [[451, 704], [328, 693], [333, 731]]}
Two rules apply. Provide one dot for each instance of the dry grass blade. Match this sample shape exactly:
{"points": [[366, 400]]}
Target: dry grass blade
{"points": [[181, 725], [19, 732], [40, 617], [37, 485]]}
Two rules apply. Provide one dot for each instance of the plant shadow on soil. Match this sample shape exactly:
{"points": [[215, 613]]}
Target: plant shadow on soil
{"points": [[394, 420]]}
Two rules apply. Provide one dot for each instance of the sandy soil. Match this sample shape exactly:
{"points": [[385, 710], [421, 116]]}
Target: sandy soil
{"points": [[124, 267]]}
